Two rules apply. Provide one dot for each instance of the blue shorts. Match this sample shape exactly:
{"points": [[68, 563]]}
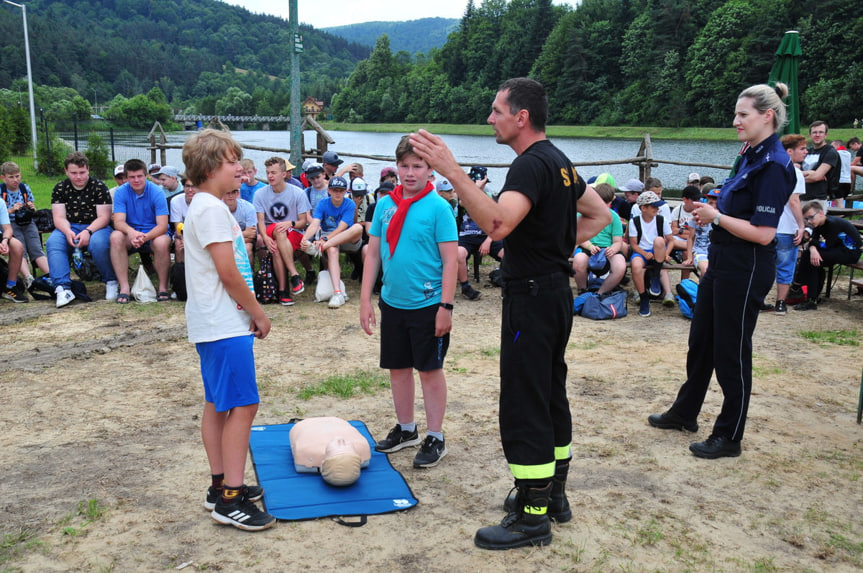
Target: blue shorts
{"points": [[786, 258], [228, 371], [635, 254]]}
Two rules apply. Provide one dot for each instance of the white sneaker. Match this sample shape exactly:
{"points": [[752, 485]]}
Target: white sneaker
{"points": [[337, 300], [112, 289], [64, 296]]}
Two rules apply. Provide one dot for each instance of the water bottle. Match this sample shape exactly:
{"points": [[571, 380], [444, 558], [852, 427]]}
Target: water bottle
{"points": [[77, 257]]}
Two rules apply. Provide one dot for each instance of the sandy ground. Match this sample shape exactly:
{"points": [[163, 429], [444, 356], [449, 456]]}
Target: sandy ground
{"points": [[103, 402]]}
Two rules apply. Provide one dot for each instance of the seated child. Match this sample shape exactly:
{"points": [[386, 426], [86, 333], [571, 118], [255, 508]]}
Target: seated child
{"points": [[21, 207], [699, 239], [610, 239], [682, 224], [649, 250]]}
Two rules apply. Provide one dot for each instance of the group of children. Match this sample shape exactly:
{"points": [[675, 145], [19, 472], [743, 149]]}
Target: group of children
{"points": [[647, 233]]}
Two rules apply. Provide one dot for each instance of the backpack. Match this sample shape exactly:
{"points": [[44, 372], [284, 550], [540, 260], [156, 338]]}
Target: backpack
{"points": [[41, 289], [609, 306], [660, 225], [687, 294], [178, 281], [44, 220], [265, 281], [578, 302], [88, 271]]}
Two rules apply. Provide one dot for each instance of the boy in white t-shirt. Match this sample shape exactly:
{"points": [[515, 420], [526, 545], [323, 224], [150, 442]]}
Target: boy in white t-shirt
{"points": [[682, 224], [649, 250], [223, 318]]}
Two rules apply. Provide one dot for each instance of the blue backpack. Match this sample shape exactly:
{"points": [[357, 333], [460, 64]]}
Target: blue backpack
{"points": [[608, 306], [687, 294]]}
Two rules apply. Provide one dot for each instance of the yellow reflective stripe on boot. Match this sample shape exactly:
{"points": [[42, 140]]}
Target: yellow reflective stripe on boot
{"points": [[534, 510], [563, 452], [543, 471]]}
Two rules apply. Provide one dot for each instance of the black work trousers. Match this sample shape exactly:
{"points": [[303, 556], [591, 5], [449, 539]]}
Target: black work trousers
{"points": [[535, 421], [739, 275], [813, 277]]}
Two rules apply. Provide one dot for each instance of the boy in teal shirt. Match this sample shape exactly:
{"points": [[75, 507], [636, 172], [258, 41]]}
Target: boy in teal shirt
{"points": [[413, 235]]}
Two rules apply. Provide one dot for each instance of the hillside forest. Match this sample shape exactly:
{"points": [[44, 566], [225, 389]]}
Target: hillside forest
{"points": [[617, 62]]}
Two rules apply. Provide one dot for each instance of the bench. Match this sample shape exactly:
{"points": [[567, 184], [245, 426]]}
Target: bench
{"points": [[852, 282]]}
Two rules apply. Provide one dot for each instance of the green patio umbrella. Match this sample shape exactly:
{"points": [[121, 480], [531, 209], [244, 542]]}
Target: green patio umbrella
{"points": [[785, 70]]}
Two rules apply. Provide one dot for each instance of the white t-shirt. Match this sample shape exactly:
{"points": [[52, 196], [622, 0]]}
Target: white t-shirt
{"points": [[684, 219], [844, 165], [787, 224], [648, 232], [211, 314], [179, 208]]}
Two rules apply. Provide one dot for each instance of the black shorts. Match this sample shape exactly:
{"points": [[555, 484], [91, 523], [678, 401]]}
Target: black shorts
{"points": [[408, 340], [473, 242]]}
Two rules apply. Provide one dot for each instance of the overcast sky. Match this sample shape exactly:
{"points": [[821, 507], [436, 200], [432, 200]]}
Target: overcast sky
{"points": [[326, 13]]}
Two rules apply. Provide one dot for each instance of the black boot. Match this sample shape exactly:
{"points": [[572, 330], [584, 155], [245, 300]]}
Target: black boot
{"points": [[558, 505], [528, 524]]}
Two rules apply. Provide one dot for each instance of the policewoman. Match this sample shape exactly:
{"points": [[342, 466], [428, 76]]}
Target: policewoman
{"points": [[741, 270]]}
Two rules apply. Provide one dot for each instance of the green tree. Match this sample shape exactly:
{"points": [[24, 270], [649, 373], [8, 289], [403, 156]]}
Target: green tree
{"points": [[139, 112], [234, 102], [723, 61], [97, 155]]}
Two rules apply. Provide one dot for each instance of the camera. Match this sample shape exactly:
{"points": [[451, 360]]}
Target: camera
{"points": [[24, 215], [478, 172]]}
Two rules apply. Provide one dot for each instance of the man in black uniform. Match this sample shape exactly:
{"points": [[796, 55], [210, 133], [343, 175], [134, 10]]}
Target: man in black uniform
{"points": [[536, 217]]}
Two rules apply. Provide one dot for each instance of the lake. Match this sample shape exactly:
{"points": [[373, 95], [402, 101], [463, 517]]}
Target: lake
{"points": [[481, 150]]}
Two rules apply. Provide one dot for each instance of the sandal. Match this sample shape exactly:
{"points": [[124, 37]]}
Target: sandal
{"points": [[123, 298], [163, 296]]}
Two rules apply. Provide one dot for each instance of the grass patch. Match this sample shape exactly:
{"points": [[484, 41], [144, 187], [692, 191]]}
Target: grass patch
{"points": [[761, 371], [490, 352], [837, 337], [14, 545], [91, 510], [345, 385], [650, 534]]}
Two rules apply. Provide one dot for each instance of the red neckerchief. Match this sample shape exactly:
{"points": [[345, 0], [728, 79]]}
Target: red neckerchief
{"points": [[394, 231]]}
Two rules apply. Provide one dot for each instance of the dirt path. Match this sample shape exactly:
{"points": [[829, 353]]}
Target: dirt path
{"points": [[103, 403]]}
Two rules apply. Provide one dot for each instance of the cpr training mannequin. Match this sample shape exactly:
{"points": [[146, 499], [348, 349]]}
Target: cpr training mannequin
{"points": [[330, 446]]}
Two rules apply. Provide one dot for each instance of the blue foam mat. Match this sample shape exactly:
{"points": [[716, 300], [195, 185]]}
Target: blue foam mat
{"points": [[289, 495]]}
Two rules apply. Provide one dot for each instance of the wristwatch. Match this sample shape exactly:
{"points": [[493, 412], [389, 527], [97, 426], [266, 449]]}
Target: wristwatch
{"points": [[447, 306], [716, 219]]}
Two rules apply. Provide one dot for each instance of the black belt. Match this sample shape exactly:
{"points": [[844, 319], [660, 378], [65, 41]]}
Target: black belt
{"points": [[533, 285]]}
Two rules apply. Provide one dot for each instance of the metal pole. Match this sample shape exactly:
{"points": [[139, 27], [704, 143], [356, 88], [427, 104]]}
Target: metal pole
{"points": [[29, 81], [296, 131]]}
